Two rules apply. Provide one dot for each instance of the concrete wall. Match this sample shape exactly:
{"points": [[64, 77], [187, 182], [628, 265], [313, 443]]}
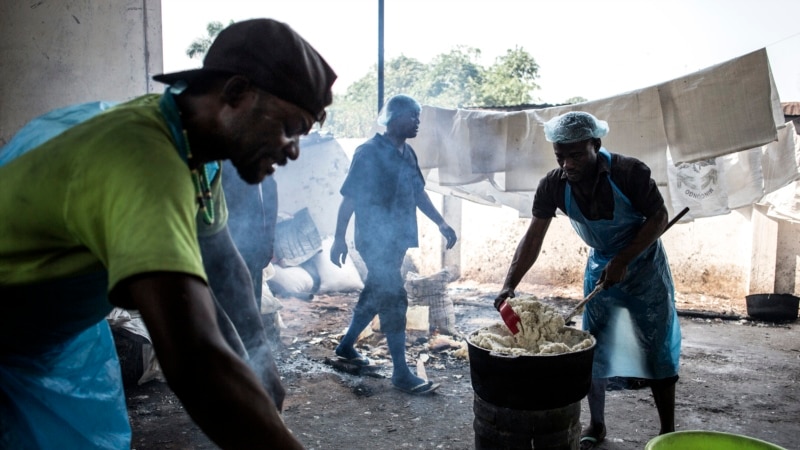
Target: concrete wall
{"points": [[727, 256], [57, 53]]}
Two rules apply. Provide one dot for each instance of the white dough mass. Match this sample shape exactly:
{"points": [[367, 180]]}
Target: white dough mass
{"points": [[543, 332]]}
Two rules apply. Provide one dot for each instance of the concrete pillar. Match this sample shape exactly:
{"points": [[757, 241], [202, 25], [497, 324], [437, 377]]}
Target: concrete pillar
{"points": [[451, 211], [764, 252], [58, 53], [788, 258]]}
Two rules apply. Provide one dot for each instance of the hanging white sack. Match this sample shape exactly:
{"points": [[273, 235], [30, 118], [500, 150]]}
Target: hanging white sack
{"points": [[698, 185]]}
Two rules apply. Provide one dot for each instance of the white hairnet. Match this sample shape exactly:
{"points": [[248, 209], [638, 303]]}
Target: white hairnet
{"points": [[574, 126], [397, 104]]}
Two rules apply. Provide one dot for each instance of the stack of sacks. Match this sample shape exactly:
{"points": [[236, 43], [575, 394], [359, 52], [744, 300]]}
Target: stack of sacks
{"points": [[333, 279], [317, 275], [297, 242]]}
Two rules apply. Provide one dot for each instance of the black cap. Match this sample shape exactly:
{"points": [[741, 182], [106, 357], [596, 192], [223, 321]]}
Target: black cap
{"points": [[274, 57]]}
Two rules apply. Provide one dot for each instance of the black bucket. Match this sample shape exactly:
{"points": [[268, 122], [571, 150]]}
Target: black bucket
{"points": [[773, 307]]}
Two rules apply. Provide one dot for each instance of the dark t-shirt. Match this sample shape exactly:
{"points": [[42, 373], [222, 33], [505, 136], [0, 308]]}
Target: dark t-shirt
{"points": [[630, 175], [384, 185]]}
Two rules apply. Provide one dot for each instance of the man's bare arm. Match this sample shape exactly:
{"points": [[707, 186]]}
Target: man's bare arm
{"points": [[526, 254], [218, 389]]}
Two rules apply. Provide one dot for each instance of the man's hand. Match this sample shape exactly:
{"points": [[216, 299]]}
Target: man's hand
{"points": [[613, 273], [338, 251], [504, 295], [449, 234]]}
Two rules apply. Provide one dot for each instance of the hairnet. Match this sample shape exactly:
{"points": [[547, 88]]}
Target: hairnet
{"points": [[574, 126], [397, 104]]}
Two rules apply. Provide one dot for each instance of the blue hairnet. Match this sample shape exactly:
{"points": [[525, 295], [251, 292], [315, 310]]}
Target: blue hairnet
{"points": [[397, 104], [574, 126]]}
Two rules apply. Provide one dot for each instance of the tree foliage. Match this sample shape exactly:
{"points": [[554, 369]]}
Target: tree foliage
{"points": [[574, 100], [455, 79], [199, 46], [451, 80], [511, 80]]}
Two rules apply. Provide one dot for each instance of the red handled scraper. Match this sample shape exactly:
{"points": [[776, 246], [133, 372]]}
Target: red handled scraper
{"points": [[511, 318]]}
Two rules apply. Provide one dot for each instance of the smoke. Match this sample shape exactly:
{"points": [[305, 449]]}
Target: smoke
{"points": [[252, 213]]}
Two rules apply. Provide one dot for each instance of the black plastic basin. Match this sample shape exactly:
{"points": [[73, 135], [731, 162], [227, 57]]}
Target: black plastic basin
{"points": [[772, 307]]}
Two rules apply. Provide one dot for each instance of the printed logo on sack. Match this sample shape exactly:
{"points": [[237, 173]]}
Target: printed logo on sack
{"points": [[698, 180]]}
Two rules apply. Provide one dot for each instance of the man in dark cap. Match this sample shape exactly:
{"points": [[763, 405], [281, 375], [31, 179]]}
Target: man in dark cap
{"points": [[104, 214]]}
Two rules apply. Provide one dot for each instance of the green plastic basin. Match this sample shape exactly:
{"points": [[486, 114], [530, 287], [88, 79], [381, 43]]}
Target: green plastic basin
{"points": [[707, 440]]}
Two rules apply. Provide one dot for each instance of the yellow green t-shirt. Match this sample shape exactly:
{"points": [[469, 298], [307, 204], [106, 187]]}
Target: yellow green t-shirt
{"points": [[111, 193]]}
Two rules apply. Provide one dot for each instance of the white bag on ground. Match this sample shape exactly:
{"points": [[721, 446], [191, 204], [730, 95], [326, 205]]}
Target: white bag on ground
{"points": [[333, 278], [291, 280], [269, 304]]}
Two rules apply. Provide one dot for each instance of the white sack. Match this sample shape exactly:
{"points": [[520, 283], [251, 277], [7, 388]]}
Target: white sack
{"points": [[780, 159], [744, 180], [726, 108], [293, 279], [333, 278], [700, 186], [269, 303]]}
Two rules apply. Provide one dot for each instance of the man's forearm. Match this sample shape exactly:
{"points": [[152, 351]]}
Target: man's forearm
{"points": [[212, 395], [346, 209], [425, 205], [649, 232], [216, 386]]}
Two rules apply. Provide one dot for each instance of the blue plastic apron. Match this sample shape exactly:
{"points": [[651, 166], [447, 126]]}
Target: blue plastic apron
{"points": [[635, 321], [60, 380]]}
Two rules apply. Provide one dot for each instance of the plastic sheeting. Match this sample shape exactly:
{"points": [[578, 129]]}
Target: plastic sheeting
{"points": [[723, 109], [41, 129], [46, 401], [725, 121], [296, 239]]}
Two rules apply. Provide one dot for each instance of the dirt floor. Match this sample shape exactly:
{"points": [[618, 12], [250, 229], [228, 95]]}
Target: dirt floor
{"points": [[737, 375]]}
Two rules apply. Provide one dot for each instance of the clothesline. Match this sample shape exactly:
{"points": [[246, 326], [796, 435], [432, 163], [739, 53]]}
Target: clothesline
{"points": [[715, 140]]}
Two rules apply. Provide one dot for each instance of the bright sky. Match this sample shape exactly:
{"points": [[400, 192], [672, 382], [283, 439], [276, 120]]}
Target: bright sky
{"points": [[588, 48]]}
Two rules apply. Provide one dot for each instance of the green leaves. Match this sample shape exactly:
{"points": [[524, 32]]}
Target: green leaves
{"points": [[199, 46], [455, 79], [451, 80]]}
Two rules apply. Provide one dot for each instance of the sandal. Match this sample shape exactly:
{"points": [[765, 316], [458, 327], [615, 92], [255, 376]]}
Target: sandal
{"points": [[424, 388], [357, 359], [361, 361], [589, 441]]}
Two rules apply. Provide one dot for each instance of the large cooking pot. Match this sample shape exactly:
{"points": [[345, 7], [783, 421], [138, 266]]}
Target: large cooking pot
{"points": [[535, 382]]}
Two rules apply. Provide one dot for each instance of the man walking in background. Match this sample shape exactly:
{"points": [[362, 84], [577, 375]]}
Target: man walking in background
{"points": [[384, 188]]}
